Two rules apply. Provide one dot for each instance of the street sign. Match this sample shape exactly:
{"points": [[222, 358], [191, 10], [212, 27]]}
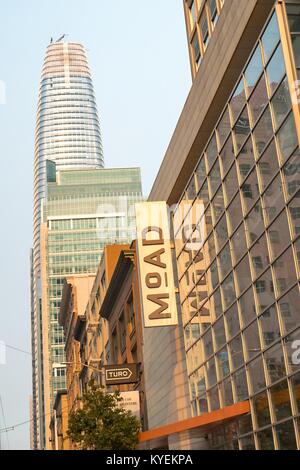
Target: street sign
{"points": [[121, 374]]}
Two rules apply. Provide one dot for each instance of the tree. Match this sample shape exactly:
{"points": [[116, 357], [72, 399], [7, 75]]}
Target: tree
{"points": [[102, 423]]}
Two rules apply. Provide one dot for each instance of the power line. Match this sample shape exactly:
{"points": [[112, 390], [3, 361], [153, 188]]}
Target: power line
{"points": [[12, 428], [17, 349], [4, 421]]}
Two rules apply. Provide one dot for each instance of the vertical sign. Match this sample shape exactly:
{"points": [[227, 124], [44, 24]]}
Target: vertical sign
{"points": [[155, 264]]}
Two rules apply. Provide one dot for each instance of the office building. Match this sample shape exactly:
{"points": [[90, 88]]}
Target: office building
{"points": [[84, 211], [67, 133], [233, 161]]}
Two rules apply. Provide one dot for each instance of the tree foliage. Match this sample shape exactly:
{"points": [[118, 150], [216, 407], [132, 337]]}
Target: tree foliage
{"points": [[102, 423]]}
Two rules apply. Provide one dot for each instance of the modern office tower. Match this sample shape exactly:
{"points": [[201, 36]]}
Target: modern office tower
{"points": [[84, 210], [235, 154], [67, 133]]}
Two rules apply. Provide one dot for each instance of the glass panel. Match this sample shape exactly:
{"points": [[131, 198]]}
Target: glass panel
{"points": [[211, 152], [268, 165], [191, 190], [211, 372], [203, 195], [214, 178], [296, 47], [293, 12], [265, 439], [281, 102], [218, 205], [255, 223], [251, 336], [289, 309], [222, 358], [273, 200], [262, 411], [263, 131], [200, 173], [292, 347], [287, 138], [235, 213], [213, 396], [241, 130], [226, 390], [258, 100], [250, 191], [232, 321], [227, 156], [236, 352], [276, 69], [246, 159], [271, 37], [231, 184], [295, 382], [259, 256], [224, 262], [254, 69], [279, 235], [286, 436], [221, 232], [240, 381], [281, 401], [270, 326], [238, 243], [228, 290], [294, 211], [285, 273], [243, 275], [238, 100], [265, 291], [291, 174], [247, 306], [275, 363], [219, 333], [257, 376], [224, 128], [207, 343]]}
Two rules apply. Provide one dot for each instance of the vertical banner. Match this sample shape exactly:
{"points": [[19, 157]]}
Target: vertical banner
{"points": [[155, 264]]}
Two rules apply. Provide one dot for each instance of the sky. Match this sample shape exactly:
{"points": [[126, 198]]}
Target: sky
{"points": [[138, 54]]}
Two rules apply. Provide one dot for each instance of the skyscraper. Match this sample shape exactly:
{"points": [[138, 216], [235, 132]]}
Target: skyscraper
{"points": [[68, 134]]}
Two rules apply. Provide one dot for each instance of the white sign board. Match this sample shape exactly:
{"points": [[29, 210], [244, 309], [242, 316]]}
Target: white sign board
{"points": [[155, 265], [131, 402]]}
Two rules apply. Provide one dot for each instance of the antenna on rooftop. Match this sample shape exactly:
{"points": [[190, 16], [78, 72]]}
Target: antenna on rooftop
{"points": [[61, 38]]}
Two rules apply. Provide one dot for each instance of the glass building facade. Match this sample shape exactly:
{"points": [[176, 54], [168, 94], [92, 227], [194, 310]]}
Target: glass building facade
{"points": [[68, 134], [201, 19], [84, 211], [239, 290]]}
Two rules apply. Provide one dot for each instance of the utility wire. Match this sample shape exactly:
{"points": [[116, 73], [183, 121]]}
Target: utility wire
{"points": [[4, 421], [17, 349], [12, 428]]}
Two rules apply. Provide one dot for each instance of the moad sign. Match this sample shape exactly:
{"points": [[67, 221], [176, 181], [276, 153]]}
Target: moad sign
{"points": [[155, 265]]}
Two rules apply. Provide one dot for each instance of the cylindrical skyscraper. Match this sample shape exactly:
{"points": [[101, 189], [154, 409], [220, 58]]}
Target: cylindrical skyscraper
{"points": [[68, 134]]}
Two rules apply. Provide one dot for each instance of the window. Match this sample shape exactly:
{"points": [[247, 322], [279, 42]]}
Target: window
{"points": [[193, 13], [122, 332], [196, 49], [131, 313], [204, 29], [213, 11]]}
